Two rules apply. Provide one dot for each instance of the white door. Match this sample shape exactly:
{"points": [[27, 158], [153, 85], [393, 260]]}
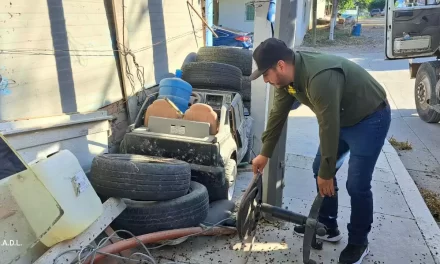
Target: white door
{"points": [[412, 28]]}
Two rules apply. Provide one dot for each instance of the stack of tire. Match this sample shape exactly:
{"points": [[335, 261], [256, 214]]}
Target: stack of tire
{"points": [[222, 68], [158, 192]]}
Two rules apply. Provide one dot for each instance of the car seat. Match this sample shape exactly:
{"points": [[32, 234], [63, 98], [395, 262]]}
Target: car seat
{"points": [[203, 113], [161, 108]]}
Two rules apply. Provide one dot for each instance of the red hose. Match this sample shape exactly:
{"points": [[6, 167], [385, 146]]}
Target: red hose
{"points": [[160, 236]]}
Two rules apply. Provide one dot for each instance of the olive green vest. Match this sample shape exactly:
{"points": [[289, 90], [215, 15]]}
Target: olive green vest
{"points": [[362, 93]]}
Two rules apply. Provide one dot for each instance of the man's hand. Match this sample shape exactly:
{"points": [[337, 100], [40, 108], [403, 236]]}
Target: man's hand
{"points": [[258, 164], [326, 187]]}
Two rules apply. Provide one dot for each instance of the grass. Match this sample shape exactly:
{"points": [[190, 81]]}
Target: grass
{"points": [[341, 37], [432, 200], [400, 145]]}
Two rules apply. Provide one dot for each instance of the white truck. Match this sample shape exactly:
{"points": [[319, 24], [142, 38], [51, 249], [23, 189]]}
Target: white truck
{"points": [[413, 32]]}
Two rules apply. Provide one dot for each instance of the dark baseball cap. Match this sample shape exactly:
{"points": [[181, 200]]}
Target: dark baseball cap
{"points": [[267, 54]]}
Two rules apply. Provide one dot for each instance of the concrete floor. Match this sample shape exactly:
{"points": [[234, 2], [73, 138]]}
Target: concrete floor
{"points": [[422, 162]]}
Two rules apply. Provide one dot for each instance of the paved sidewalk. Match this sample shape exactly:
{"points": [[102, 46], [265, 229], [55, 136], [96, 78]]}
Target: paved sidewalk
{"points": [[403, 229]]}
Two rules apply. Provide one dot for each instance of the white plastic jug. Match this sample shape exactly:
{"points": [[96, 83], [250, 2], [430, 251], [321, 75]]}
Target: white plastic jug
{"points": [[64, 178]]}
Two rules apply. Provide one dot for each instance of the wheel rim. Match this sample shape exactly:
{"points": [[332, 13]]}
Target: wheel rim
{"points": [[423, 93]]}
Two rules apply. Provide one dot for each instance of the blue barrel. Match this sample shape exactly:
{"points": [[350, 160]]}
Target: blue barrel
{"points": [[356, 30], [176, 90]]}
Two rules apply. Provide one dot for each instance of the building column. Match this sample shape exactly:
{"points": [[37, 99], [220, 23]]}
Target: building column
{"points": [[209, 14], [263, 95]]}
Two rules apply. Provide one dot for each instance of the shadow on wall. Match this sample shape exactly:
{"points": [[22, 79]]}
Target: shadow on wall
{"points": [[158, 37], [112, 30], [62, 56], [154, 11]]}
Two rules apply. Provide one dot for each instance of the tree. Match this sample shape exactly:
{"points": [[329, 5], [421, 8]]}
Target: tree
{"points": [[377, 4], [351, 4], [333, 20]]}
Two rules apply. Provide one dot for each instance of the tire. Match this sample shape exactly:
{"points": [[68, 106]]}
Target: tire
{"points": [[240, 58], [424, 92], [140, 177], [191, 57], [141, 217], [211, 75], [246, 88], [226, 190], [247, 105]]}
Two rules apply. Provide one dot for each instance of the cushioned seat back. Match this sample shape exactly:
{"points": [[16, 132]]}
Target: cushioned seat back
{"points": [[203, 113], [160, 108]]}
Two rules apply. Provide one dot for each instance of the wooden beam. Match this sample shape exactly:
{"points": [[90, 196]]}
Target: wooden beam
{"points": [[122, 44]]}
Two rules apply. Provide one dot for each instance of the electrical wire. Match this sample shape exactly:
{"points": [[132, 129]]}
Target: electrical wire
{"points": [[90, 251], [92, 52]]}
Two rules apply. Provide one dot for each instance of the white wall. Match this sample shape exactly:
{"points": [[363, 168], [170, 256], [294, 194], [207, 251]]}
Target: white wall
{"points": [[302, 20], [61, 52], [232, 14], [320, 12]]}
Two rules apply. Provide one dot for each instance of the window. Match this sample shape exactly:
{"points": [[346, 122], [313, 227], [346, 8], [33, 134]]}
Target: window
{"points": [[250, 12]]}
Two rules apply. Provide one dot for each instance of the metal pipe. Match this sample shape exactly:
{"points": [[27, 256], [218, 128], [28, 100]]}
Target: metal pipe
{"points": [[203, 20], [283, 214], [161, 236], [209, 10]]}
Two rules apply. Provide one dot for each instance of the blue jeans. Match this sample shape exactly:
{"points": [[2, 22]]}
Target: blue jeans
{"points": [[364, 141]]}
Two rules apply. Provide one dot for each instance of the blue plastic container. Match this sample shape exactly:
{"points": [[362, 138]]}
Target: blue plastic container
{"points": [[179, 73], [356, 31], [176, 90]]}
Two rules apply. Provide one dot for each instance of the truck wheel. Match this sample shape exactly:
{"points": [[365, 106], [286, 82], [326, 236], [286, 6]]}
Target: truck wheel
{"points": [[191, 57], [212, 75], [142, 217], [240, 58], [246, 88], [424, 92], [226, 191], [140, 177]]}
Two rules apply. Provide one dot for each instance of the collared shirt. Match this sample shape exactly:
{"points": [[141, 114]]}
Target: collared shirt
{"points": [[338, 91]]}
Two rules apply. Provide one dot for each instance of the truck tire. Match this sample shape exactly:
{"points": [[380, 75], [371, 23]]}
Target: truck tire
{"points": [[191, 57], [240, 58], [142, 217], [425, 91], [140, 177], [212, 75], [246, 88], [226, 190]]}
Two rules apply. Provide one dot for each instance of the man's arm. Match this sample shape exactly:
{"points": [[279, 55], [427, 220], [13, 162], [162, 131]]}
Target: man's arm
{"points": [[278, 115], [325, 93]]}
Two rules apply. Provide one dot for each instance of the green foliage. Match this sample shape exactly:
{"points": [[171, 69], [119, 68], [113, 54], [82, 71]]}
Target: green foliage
{"points": [[346, 4], [377, 4], [351, 4]]}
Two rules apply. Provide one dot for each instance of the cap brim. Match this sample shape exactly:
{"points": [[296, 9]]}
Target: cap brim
{"points": [[256, 74]]}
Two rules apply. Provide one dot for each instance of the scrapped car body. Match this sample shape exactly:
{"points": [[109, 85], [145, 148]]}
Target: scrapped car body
{"points": [[213, 156]]}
